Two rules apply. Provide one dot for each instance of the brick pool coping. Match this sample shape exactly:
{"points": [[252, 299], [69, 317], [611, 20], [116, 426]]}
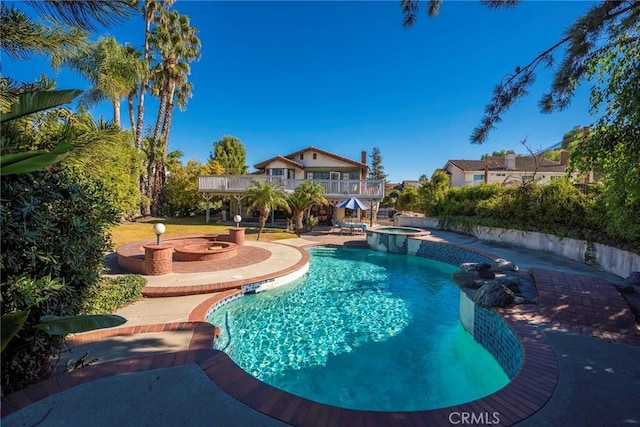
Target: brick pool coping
{"points": [[524, 395]]}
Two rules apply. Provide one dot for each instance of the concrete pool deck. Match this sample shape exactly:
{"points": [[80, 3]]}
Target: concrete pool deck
{"points": [[150, 375]]}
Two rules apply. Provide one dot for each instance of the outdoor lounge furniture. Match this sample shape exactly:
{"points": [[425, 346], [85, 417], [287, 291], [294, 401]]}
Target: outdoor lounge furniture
{"points": [[351, 228]]}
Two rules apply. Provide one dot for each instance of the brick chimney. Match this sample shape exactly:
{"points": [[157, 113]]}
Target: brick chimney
{"points": [[564, 157], [510, 160], [363, 157]]}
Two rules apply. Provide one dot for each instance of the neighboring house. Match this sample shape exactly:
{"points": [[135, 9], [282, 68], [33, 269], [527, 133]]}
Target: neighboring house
{"points": [[505, 170], [340, 177]]}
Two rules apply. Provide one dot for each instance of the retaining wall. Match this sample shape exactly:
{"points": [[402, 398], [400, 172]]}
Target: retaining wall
{"points": [[614, 260]]}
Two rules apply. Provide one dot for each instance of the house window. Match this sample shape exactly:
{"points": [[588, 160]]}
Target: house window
{"points": [[309, 175], [315, 156], [478, 177], [527, 178], [276, 172], [301, 156]]}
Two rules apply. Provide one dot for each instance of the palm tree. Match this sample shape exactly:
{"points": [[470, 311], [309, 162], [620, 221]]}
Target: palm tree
{"points": [[302, 200], [265, 197], [67, 22], [164, 161], [177, 44], [113, 70], [149, 9]]}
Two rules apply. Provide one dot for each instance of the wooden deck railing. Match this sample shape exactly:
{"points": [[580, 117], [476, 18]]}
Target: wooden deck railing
{"points": [[230, 184]]}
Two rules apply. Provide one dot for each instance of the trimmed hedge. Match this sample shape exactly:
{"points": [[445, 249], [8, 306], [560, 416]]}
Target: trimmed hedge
{"points": [[111, 293]]}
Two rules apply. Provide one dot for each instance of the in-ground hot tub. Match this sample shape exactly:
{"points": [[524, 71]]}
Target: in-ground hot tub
{"points": [[208, 251], [393, 239]]}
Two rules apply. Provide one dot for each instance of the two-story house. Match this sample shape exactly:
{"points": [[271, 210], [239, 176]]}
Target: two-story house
{"points": [[340, 177], [505, 170]]}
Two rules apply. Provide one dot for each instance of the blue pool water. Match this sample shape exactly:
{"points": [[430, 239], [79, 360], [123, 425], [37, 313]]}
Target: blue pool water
{"points": [[362, 330]]}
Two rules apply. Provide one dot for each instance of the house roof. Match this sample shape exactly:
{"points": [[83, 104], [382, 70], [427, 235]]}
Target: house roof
{"points": [[264, 163], [497, 163], [295, 154]]}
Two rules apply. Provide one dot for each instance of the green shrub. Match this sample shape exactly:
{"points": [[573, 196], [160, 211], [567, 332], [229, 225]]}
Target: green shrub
{"points": [[54, 231], [312, 222], [25, 360], [111, 293]]}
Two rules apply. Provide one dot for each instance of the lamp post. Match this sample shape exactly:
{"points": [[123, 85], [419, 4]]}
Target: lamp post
{"points": [[159, 229], [237, 219]]}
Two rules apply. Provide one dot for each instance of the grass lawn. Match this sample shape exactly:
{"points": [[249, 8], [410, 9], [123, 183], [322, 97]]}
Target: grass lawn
{"points": [[143, 230]]}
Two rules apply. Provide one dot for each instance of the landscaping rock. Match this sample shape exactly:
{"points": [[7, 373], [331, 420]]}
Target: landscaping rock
{"points": [[500, 265], [519, 299], [513, 283], [466, 279], [493, 294]]}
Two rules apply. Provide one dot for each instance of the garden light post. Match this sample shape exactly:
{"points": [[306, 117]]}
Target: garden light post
{"points": [[237, 219], [159, 229]]}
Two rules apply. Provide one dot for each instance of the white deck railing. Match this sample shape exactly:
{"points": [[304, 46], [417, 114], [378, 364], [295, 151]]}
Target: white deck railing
{"points": [[227, 184]]}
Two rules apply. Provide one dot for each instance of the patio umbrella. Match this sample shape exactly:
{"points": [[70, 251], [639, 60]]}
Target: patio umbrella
{"points": [[352, 203]]}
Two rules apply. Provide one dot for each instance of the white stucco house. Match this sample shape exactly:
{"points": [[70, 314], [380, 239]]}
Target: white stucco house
{"points": [[341, 177], [505, 170]]}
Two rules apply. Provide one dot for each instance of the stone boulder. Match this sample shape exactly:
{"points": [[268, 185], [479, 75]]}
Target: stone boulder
{"points": [[467, 279], [481, 269], [512, 283], [493, 294], [501, 265]]}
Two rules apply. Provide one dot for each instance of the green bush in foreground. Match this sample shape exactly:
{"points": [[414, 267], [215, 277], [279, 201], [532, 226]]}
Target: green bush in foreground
{"points": [[111, 293]]}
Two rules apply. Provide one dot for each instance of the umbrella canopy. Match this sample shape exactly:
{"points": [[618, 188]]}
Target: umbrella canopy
{"points": [[352, 203]]}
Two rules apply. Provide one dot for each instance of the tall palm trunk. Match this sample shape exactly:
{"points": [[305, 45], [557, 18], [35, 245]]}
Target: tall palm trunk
{"points": [[116, 110], [162, 111], [166, 125], [132, 119], [154, 160]]}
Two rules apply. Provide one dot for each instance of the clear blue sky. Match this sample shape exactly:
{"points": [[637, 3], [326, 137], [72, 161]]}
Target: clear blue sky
{"points": [[347, 77]]}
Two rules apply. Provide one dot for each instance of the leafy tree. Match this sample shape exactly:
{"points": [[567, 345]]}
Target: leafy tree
{"points": [[433, 192], [613, 147], [494, 154], [182, 197], [265, 197], [377, 169], [213, 167], [231, 154], [408, 199], [603, 23]]}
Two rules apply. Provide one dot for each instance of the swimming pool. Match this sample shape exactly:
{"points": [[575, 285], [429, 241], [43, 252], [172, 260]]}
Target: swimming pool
{"points": [[363, 330]]}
